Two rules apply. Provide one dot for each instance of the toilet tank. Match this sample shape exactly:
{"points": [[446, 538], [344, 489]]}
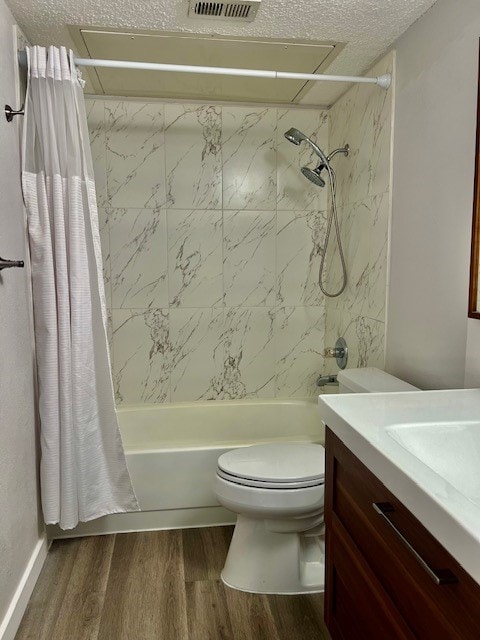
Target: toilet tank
{"points": [[370, 380]]}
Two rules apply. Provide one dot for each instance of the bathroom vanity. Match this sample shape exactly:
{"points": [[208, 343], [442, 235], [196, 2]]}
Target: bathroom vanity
{"points": [[403, 539]]}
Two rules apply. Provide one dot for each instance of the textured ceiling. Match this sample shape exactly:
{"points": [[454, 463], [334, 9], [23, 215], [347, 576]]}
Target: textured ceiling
{"points": [[368, 27]]}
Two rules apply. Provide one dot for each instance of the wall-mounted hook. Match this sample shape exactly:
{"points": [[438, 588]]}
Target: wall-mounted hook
{"points": [[8, 264], [11, 113]]}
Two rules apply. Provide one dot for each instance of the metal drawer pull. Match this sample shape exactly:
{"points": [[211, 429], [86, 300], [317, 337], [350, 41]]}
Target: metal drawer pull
{"points": [[439, 576]]}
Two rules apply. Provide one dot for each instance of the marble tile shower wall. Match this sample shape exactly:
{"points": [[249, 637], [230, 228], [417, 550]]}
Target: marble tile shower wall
{"points": [[211, 240], [363, 119]]}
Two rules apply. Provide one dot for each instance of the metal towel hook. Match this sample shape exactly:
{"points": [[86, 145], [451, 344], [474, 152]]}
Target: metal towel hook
{"points": [[8, 264], [11, 113]]}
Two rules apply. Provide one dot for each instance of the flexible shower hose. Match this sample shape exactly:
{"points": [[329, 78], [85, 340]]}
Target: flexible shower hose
{"points": [[332, 217]]}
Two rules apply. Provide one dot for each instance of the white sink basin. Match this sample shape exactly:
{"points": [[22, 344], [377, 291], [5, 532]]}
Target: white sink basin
{"points": [[424, 446], [450, 449]]}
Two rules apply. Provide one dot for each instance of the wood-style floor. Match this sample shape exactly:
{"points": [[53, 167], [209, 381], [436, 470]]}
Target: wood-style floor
{"points": [[162, 585]]}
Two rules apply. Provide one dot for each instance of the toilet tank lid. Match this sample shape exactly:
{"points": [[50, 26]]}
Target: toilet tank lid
{"points": [[372, 380]]}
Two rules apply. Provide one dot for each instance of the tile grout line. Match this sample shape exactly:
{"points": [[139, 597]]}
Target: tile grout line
{"points": [[224, 313], [167, 242], [275, 308]]}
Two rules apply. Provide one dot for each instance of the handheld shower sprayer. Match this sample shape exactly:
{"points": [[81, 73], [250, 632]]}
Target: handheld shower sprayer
{"points": [[296, 136], [314, 175]]}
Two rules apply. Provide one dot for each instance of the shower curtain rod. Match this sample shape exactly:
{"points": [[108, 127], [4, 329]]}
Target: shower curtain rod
{"points": [[383, 81]]}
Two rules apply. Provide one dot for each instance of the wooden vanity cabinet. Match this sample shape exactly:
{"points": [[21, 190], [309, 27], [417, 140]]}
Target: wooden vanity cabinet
{"points": [[387, 577]]}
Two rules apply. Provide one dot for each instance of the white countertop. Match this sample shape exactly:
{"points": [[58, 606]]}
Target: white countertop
{"points": [[361, 421]]}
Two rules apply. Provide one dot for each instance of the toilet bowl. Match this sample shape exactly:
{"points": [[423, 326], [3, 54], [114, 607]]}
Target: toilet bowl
{"points": [[277, 492]]}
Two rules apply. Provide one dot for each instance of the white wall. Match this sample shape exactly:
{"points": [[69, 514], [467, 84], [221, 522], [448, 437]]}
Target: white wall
{"points": [[19, 522], [211, 249], [433, 168], [362, 118]]}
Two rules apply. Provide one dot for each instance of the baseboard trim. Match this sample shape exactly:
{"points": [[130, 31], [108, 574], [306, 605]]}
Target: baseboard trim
{"points": [[11, 621], [147, 521]]}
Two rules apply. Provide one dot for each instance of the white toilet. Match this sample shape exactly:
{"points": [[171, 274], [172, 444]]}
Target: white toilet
{"points": [[277, 490]]}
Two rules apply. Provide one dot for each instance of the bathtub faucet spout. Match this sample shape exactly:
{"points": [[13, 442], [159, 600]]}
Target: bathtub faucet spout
{"points": [[323, 380]]}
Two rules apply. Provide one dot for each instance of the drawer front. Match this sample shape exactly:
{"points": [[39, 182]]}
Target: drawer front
{"points": [[358, 608], [401, 552]]}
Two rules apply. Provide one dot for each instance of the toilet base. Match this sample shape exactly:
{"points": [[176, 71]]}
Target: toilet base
{"points": [[262, 560]]}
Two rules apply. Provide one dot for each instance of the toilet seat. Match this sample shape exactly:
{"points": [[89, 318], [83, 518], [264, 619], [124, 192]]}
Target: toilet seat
{"points": [[274, 466], [271, 504], [260, 484]]}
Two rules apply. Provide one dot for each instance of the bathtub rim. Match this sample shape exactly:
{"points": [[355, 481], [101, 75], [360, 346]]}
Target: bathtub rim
{"points": [[300, 400]]}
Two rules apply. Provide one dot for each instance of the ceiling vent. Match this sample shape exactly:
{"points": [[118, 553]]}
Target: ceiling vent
{"points": [[235, 10]]}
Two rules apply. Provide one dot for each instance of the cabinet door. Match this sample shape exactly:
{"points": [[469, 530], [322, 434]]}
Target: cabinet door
{"points": [[357, 607], [425, 584]]}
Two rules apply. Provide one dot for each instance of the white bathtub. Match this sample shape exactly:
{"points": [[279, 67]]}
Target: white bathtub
{"points": [[172, 449], [172, 452]]}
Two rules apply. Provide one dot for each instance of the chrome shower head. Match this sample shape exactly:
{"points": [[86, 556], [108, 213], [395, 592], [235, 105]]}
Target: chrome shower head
{"points": [[296, 136], [314, 175]]}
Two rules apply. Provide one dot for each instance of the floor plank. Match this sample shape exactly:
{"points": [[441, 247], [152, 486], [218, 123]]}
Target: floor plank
{"points": [[79, 615], [251, 617], [145, 596], [208, 617], [294, 614], [42, 612], [204, 552]]}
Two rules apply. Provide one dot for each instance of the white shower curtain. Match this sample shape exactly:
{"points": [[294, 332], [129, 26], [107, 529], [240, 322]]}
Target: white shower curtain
{"points": [[83, 469]]}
